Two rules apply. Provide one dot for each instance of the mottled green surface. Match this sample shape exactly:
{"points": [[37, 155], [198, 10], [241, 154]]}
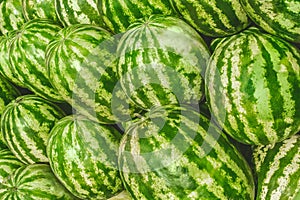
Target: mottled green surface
{"points": [[83, 155], [253, 87], [176, 153]]}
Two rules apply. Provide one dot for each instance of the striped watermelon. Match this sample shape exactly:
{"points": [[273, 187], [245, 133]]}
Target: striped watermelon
{"points": [[34, 182], [213, 18], [176, 153], [8, 164], [280, 18], [81, 62], [5, 68], [83, 155], [33, 9], [27, 56], [26, 123], [161, 60], [78, 12], [278, 170], [253, 87], [118, 15], [11, 16], [8, 92]]}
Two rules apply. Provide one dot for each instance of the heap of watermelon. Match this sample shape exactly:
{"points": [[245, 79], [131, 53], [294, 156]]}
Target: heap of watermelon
{"points": [[149, 100]]}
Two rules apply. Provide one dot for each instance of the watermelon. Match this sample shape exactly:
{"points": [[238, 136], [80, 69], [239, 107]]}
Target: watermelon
{"points": [[81, 62], [280, 18], [213, 18], [11, 16], [83, 155], [155, 70], [35, 182], [27, 56], [78, 12], [5, 69], [8, 164], [277, 167], [33, 9], [176, 153], [118, 15], [25, 125], [8, 92], [253, 87], [124, 195]]}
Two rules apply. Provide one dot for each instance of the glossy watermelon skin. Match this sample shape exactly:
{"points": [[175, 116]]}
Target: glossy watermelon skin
{"points": [[8, 93], [155, 70], [118, 15], [83, 155], [25, 125], [253, 87], [8, 163], [36, 182], [33, 9], [71, 12], [11, 16], [213, 18], [81, 63], [27, 56], [5, 68], [277, 169], [176, 153], [280, 18]]}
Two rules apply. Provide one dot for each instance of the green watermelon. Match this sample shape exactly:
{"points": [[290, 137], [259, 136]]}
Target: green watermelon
{"points": [[118, 15], [11, 16], [78, 12], [83, 155], [176, 153], [8, 164], [124, 195], [33, 9], [81, 62], [27, 56], [280, 18], [5, 69], [213, 18], [34, 182], [25, 125], [253, 87], [8, 92], [161, 60], [277, 167]]}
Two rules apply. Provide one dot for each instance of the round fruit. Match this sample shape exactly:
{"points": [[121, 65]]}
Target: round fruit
{"points": [[118, 15], [177, 153], [253, 87], [71, 12], [277, 168], [35, 182], [33, 9], [161, 61], [81, 61], [27, 56], [8, 164], [83, 155], [11, 16], [280, 18], [213, 18], [26, 123]]}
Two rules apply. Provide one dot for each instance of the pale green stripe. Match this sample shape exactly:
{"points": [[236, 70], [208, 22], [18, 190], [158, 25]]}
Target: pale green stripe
{"points": [[287, 145], [262, 93], [288, 174]]}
